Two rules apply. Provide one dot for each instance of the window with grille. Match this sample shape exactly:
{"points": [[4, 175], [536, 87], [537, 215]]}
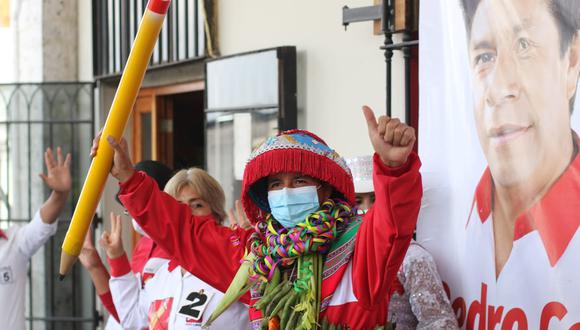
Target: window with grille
{"points": [[33, 117], [115, 25]]}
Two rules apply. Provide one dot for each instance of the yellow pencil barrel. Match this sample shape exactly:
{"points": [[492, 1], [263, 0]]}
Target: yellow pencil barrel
{"points": [[123, 102]]}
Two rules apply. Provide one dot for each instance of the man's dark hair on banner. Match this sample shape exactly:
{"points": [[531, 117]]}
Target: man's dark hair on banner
{"points": [[565, 12], [566, 15]]}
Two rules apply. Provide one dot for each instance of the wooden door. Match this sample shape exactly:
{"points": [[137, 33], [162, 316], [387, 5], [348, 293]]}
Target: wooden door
{"points": [[153, 125]]}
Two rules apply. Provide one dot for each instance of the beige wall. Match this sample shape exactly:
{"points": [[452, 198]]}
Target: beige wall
{"points": [[21, 57], [34, 50], [60, 40], [85, 41], [338, 71]]}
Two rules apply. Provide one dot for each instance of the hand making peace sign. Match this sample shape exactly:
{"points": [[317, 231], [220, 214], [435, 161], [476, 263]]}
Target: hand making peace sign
{"points": [[112, 242]]}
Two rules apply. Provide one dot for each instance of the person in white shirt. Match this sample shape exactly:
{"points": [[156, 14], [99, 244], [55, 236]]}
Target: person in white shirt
{"points": [[19, 243], [173, 298]]}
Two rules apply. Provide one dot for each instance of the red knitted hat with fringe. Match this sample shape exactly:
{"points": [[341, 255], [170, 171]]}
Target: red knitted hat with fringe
{"points": [[294, 151]]}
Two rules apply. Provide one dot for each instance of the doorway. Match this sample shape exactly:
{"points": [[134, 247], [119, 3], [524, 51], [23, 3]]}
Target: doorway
{"points": [[181, 135], [168, 126]]}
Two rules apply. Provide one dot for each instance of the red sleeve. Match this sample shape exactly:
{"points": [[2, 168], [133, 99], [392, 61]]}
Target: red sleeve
{"points": [[387, 229], [119, 266], [199, 244], [107, 301]]}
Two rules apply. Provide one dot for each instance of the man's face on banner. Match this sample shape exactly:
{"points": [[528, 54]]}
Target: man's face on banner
{"points": [[521, 88]]}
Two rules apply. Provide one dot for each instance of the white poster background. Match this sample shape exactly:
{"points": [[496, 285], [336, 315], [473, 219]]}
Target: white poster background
{"points": [[453, 163]]}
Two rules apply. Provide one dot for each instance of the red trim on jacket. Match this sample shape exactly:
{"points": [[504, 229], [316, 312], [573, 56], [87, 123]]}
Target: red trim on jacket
{"points": [[107, 301], [556, 216], [172, 265], [3, 235], [119, 266]]}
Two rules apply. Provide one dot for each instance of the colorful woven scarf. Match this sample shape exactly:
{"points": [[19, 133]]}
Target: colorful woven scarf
{"points": [[275, 246]]}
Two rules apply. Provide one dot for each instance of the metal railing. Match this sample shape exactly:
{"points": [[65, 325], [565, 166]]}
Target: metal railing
{"points": [[385, 12], [34, 116]]}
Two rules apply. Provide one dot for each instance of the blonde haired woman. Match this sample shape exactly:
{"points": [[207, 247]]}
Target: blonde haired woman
{"points": [[191, 184], [186, 182], [174, 298]]}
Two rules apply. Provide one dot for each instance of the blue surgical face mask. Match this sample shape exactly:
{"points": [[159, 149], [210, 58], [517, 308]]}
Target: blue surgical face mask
{"points": [[291, 206]]}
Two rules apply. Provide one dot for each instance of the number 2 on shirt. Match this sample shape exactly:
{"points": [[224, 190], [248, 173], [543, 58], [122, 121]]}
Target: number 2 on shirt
{"points": [[195, 305]]}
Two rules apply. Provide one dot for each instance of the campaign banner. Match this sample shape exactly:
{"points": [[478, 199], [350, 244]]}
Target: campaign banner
{"points": [[501, 172]]}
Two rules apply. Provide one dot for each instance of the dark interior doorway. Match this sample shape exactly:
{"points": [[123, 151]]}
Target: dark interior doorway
{"points": [[188, 129]]}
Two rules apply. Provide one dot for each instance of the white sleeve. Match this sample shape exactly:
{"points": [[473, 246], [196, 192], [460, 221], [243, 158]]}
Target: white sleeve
{"points": [[33, 235], [128, 299], [112, 324]]}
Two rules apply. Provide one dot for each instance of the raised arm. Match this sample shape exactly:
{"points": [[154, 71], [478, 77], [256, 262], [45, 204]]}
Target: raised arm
{"points": [[58, 179], [32, 236], [124, 285], [91, 260], [199, 244], [387, 229]]}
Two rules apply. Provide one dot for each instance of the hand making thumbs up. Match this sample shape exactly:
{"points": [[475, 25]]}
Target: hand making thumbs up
{"points": [[392, 140]]}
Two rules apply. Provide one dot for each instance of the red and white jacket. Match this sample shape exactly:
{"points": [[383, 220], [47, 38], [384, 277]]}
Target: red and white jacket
{"points": [[355, 289], [170, 299], [147, 257]]}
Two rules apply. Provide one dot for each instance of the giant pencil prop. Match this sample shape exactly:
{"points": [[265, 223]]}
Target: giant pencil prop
{"points": [[115, 125]]}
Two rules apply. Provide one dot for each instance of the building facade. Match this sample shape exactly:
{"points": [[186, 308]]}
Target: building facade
{"points": [[224, 75]]}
